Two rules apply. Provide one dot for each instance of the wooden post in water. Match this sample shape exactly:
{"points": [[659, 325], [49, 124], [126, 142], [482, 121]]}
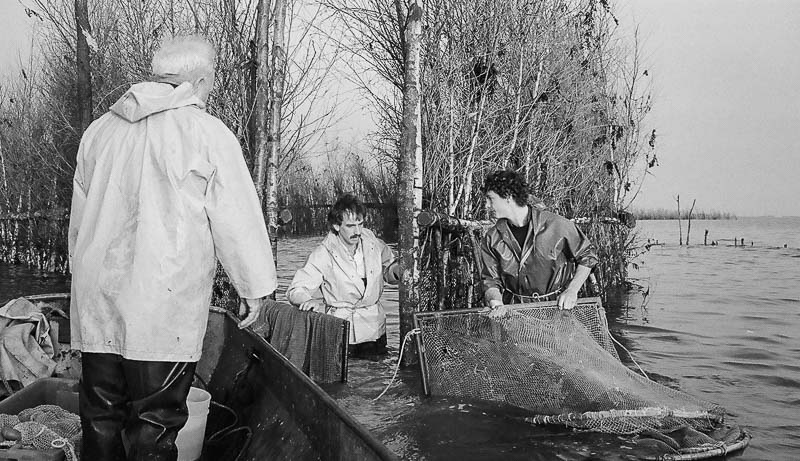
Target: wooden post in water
{"points": [[680, 229], [410, 190], [689, 227], [705, 238]]}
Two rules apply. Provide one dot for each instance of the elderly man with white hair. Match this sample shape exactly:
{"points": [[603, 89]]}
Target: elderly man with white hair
{"points": [[160, 191]]}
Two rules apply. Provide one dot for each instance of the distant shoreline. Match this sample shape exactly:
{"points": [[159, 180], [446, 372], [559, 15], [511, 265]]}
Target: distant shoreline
{"points": [[664, 214]]}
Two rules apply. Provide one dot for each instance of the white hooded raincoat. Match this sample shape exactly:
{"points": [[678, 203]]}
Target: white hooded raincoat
{"points": [[160, 189]]}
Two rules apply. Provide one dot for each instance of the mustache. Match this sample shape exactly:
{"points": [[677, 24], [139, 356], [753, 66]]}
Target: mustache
{"points": [[355, 237]]}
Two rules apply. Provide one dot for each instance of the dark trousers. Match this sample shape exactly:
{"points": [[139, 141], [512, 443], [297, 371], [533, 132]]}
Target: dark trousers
{"points": [[369, 349], [146, 399]]}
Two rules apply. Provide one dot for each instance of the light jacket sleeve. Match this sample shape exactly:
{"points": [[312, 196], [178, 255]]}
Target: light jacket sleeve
{"points": [[490, 270], [237, 224], [390, 263], [308, 279], [78, 203]]}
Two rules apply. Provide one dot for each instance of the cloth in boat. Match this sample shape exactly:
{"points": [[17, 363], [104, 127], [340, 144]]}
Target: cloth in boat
{"points": [[313, 342], [544, 264], [160, 189], [27, 352], [332, 270]]}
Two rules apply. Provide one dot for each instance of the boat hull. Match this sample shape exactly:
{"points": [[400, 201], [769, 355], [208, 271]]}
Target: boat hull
{"points": [[263, 407]]}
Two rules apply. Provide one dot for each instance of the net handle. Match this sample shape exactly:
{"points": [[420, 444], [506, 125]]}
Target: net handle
{"points": [[512, 307], [652, 412]]}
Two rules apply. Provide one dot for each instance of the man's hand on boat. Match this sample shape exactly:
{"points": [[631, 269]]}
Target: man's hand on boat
{"points": [[316, 305], [249, 310]]}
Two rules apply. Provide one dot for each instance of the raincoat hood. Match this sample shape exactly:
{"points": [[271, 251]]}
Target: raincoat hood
{"points": [[145, 99]]}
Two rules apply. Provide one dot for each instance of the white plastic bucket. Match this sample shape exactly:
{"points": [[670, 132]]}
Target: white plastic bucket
{"points": [[190, 437]]}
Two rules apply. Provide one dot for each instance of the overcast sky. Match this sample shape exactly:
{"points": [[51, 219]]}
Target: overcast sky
{"points": [[15, 36], [726, 77], [726, 81]]}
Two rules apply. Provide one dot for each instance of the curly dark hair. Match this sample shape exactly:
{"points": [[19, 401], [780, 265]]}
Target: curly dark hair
{"points": [[347, 203], [507, 183]]}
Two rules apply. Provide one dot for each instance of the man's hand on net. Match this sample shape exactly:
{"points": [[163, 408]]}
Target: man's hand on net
{"points": [[568, 299], [250, 309], [313, 305], [497, 309]]}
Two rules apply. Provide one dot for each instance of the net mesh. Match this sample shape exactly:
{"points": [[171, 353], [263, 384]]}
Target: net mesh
{"points": [[561, 366], [45, 427], [316, 343]]}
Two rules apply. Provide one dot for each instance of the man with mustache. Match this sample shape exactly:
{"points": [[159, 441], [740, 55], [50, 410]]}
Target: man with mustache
{"points": [[350, 267]]}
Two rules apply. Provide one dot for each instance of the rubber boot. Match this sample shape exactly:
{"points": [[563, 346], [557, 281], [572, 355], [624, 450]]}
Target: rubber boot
{"points": [[146, 399], [158, 392], [103, 406]]}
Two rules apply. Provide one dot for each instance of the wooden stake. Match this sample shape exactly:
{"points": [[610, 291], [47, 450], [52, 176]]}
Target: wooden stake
{"points": [[689, 228], [680, 229]]}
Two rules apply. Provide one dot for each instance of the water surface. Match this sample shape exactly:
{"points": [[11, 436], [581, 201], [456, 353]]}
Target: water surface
{"points": [[719, 322]]}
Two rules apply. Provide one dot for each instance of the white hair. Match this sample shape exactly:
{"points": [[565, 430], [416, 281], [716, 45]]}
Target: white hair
{"points": [[183, 59]]}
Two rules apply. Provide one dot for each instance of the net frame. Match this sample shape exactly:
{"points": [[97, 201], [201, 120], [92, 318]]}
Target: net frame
{"points": [[560, 365], [587, 316], [687, 428]]}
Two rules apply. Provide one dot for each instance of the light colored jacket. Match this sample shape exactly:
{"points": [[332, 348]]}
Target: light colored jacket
{"points": [[330, 269], [160, 189]]}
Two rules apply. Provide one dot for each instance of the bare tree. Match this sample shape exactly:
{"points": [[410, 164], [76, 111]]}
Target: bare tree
{"points": [[539, 87], [689, 225], [83, 71]]}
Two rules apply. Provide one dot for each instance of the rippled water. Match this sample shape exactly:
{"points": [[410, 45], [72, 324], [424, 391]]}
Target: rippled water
{"points": [[724, 323], [719, 322]]}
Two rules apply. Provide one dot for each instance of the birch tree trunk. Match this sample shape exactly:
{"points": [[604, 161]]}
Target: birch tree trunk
{"points": [[84, 75], [261, 90], [274, 122], [410, 189], [263, 120]]}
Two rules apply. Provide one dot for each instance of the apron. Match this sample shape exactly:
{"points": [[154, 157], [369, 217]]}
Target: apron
{"points": [[367, 323]]}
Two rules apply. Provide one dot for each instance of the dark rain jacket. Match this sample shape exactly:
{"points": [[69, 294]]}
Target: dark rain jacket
{"points": [[545, 264]]}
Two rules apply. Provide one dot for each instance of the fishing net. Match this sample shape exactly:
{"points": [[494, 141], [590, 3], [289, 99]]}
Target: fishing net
{"points": [[562, 367], [45, 427], [315, 343]]}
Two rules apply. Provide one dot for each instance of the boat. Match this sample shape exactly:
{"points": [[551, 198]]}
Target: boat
{"points": [[263, 407]]}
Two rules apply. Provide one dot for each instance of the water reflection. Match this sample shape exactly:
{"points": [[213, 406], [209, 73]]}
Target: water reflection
{"points": [[16, 281]]}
